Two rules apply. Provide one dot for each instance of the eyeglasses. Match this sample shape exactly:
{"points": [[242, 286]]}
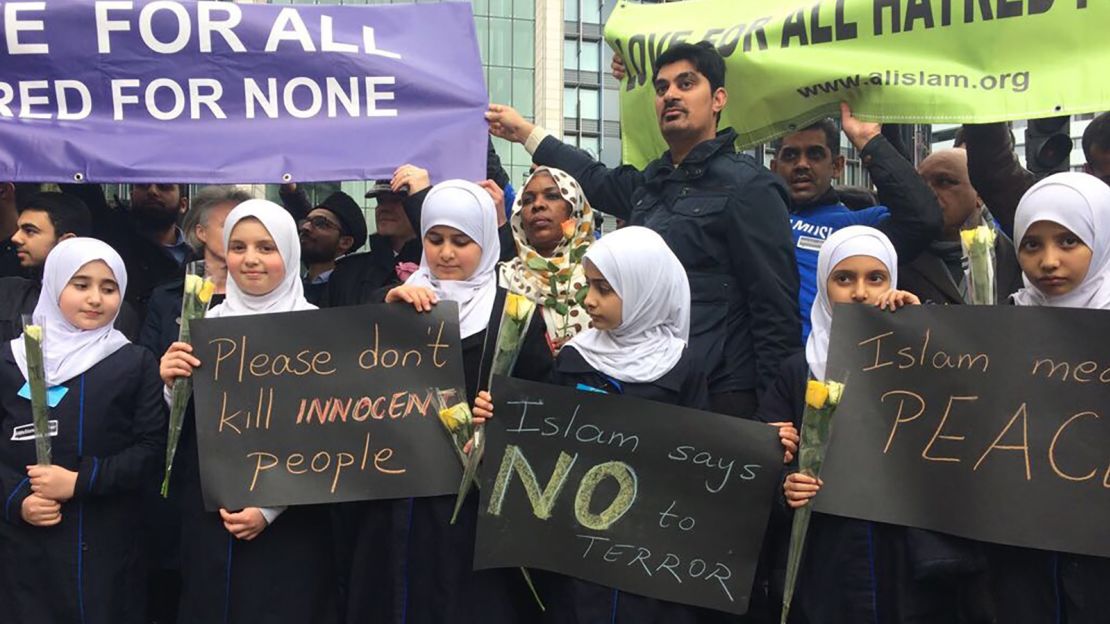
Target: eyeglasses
{"points": [[318, 223]]}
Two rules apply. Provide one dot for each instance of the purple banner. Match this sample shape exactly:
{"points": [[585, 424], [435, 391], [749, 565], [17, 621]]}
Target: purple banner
{"points": [[120, 91]]}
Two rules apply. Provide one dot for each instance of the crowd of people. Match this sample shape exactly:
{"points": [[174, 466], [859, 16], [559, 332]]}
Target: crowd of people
{"points": [[716, 295]]}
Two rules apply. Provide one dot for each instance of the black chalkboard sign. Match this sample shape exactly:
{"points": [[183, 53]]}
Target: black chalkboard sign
{"points": [[991, 423], [649, 498], [326, 405]]}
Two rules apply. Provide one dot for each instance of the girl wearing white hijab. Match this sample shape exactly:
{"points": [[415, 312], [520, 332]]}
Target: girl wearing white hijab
{"points": [[1062, 235], [852, 571], [639, 305], [1062, 231], [420, 564], [250, 565], [77, 518]]}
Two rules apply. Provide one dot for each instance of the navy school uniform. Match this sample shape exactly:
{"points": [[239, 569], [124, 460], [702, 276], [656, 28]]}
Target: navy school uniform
{"points": [[573, 601], [285, 575], [111, 431], [860, 572], [410, 565]]}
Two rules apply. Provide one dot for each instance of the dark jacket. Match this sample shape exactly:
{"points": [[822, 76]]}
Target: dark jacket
{"points": [[359, 278], [726, 219], [860, 572], [18, 296], [995, 171], [111, 431], [929, 278], [412, 566], [148, 263], [285, 575], [9, 261], [685, 384]]}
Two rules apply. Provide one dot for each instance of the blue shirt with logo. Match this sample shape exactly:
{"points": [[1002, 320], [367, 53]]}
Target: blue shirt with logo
{"points": [[810, 227]]}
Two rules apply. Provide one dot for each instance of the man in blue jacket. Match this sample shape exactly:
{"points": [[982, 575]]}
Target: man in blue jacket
{"points": [[723, 214], [809, 160]]}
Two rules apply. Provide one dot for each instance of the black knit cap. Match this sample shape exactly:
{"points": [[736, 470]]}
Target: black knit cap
{"points": [[351, 219]]}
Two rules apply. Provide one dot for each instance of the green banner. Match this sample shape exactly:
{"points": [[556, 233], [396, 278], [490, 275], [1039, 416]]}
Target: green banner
{"points": [[790, 62]]}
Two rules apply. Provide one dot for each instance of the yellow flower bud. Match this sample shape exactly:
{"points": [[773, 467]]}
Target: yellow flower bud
{"points": [[817, 393], [968, 237], [34, 331], [193, 284], [206, 291], [454, 417]]}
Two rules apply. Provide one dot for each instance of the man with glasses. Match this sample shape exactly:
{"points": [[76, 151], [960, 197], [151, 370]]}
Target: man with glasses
{"points": [[332, 229]]}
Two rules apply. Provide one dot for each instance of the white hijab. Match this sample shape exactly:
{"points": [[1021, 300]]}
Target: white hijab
{"points": [[854, 240], [655, 307], [288, 296], [68, 351], [469, 209], [1081, 203]]}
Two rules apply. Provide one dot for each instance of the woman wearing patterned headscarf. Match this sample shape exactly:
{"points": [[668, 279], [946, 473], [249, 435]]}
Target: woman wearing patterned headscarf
{"points": [[552, 224]]}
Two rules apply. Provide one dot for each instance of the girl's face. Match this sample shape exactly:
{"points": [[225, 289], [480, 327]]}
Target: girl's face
{"points": [[253, 259], [858, 279], [1053, 258], [91, 298], [602, 303], [543, 211], [451, 255]]}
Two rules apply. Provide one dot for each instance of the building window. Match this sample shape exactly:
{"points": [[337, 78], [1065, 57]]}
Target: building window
{"points": [[570, 102], [570, 10], [570, 54], [590, 58], [591, 11], [591, 145], [581, 103], [589, 104]]}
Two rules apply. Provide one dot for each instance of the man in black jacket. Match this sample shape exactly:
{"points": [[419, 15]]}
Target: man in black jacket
{"points": [[395, 248], [45, 219], [723, 215], [809, 160], [145, 235]]}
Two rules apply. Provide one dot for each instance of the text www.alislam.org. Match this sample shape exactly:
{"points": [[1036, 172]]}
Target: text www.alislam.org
{"points": [[1017, 82]]}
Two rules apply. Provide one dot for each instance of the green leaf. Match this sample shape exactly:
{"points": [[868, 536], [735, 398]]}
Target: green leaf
{"points": [[564, 278], [537, 264], [579, 253], [553, 283], [551, 266], [549, 302], [561, 308], [580, 296]]}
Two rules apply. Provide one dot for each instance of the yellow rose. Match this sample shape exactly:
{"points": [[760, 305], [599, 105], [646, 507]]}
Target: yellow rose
{"points": [[817, 393], [569, 226], [517, 306], [454, 417], [968, 237], [836, 392], [206, 291], [34, 331], [193, 284]]}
